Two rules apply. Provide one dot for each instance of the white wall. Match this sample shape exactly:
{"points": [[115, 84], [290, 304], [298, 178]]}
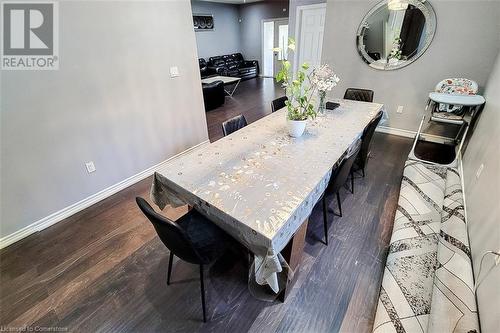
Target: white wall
{"points": [[225, 38], [483, 202], [465, 45], [112, 101]]}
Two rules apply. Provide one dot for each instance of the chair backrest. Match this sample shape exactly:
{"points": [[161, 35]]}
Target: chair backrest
{"points": [[357, 94], [233, 124], [170, 233], [367, 136], [341, 173], [278, 103]]}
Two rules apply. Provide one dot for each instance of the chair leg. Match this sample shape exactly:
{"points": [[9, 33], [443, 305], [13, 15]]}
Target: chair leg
{"points": [[352, 182], [325, 226], [340, 206], [202, 294], [363, 171], [170, 262]]}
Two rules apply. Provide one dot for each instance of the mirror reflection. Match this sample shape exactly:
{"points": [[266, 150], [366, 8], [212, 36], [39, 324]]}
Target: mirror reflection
{"points": [[395, 33]]}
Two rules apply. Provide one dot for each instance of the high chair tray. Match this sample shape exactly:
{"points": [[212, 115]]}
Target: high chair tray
{"points": [[466, 100]]}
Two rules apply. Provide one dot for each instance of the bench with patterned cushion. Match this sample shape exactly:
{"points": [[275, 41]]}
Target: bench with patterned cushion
{"points": [[428, 282]]}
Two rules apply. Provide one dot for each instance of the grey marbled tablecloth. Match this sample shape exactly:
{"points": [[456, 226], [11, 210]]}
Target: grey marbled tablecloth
{"points": [[259, 184]]}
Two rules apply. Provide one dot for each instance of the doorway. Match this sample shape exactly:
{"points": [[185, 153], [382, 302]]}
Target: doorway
{"points": [[309, 29], [274, 35]]}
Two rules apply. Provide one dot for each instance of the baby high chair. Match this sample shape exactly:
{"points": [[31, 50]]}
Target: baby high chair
{"points": [[454, 107]]}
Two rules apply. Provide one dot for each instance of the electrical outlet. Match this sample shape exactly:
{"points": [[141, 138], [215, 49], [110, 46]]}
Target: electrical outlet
{"points": [[479, 171], [90, 166], [174, 71], [400, 109]]}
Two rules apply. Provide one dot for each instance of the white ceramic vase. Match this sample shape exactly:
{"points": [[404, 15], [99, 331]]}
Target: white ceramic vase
{"points": [[296, 127]]}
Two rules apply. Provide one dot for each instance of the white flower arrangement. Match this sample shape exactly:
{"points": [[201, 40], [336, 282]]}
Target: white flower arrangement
{"points": [[324, 78]]}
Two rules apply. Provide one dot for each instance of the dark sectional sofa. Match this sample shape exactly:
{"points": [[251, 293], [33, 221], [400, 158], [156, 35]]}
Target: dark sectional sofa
{"points": [[233, 65], [205, 71]]}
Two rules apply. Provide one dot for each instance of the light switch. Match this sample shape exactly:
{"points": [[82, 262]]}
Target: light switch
{"points": [[400, 109], [174, 71]]}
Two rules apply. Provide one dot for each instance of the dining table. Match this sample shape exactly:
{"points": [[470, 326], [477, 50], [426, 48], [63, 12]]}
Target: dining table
{"points": [[260, 185]]}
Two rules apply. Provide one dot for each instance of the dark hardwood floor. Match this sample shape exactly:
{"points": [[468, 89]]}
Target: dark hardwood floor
{"points": [[252, 99], [104, 269]]}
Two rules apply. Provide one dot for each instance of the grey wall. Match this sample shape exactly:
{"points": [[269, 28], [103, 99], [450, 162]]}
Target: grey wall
{"points": [[112, 101], [225, 38], [251, 16], [483, 199], [465, 45]]}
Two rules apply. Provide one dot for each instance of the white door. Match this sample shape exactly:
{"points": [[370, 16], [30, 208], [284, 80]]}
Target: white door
{"points": [[274, 34], [310, 27], [280, 41]]}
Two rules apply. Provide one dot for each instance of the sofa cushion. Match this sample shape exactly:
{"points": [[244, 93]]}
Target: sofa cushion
{"points": [[202, 63], [237, 56], [428, 284], [233, 65], [453, 307], [405, 296], [217, 61]]}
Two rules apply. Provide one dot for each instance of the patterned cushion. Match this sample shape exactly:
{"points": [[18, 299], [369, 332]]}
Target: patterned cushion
{"points": [[448, 115], [453, 307], [405, 297], [455, 86], [414, 286], [459, 86]]}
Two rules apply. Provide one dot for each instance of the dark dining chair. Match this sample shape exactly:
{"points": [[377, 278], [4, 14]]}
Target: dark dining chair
{"points": [[278, 103], [358, 94], [192, 238], [366, 139], [337, 180], [233, 124]]}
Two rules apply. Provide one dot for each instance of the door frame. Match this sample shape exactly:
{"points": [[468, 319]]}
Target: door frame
{"points": [[262, 38], [298, 26]]}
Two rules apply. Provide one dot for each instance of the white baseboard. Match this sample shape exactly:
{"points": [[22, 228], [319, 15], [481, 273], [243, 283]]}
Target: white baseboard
{"points": [[396, 131], [87, 202], [411, 134]]}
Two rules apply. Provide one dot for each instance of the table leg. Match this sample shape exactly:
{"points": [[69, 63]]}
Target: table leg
{"points": [[230, 94], [293, 255]]}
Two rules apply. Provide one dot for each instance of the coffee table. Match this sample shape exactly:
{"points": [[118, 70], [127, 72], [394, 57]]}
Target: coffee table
{"points": [[228, 80]]}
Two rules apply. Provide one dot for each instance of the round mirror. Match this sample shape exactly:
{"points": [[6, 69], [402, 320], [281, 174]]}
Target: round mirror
{"points": [[394, 33]]}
